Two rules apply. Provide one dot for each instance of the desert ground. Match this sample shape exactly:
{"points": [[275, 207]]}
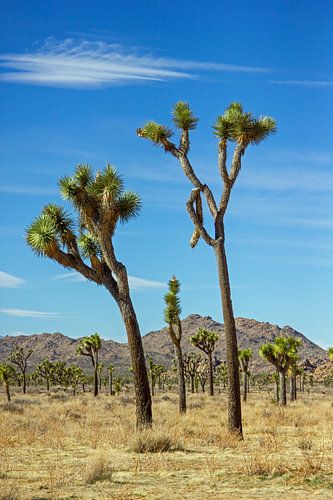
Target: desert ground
{"points": [[57, 446]]}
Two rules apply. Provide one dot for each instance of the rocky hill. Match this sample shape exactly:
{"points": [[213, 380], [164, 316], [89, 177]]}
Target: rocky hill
{"points": [[250, 333]]}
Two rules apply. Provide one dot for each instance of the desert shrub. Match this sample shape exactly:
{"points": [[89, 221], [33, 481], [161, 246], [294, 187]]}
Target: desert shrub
{"points": [[98, 469], [153, 441], [12, 408]]}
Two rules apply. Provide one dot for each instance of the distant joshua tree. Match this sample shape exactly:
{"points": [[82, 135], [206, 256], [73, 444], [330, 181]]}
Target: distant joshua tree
{"points": [[245, 356], [243, 129], [100, 203], [191, 362], [7, 375], [206, 341], [202, 373], [45, 369], [281, 354], [19, 357], [172, 313], [90, 347]]}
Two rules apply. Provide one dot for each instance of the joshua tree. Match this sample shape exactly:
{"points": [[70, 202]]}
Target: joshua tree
{"points": [[45, 369], [20, 358], [222, 373], [191, 362], [275, 377], [90, 347], [281, 354], [206, 341], [171, 315], [110, 370], [7, 374], [243, 129], [58, 373], [202, 373], [100, 203], [245, 356]]}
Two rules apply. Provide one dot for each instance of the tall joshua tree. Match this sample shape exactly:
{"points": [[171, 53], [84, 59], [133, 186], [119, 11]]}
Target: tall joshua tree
{"points": [[245, 356], [19, 357], [90, 347], [241, 128], [172, 313], [100, 203], [206, 341], [281, 354]]}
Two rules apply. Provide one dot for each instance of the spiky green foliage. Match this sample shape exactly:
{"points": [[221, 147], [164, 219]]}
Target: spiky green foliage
{"points": [[204, 340], [242, 127], [89, 245], [183, 117], [100, 198], [172, 308], [281, 353], [89, 346], [7, 373], [330, 353], [245, 354], [156, 133]]}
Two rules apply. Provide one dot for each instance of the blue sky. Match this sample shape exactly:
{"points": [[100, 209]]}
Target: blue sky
{"points": [[76, 80]]}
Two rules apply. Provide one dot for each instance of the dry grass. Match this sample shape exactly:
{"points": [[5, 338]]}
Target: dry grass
{"points": [[87, 449]]}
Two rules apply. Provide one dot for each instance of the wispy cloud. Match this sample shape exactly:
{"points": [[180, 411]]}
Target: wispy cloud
{"points": [[25, 313], [10, 281], [27, 190], [289, 179], [304, 83], [135, 283], [90, 64], [143, 284]]}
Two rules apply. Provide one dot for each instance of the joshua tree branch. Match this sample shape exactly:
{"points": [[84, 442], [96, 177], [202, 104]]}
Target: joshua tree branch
{"points": [[196, 219]]}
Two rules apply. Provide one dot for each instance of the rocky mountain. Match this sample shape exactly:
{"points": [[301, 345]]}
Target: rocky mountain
{"points": [[250, 333]]}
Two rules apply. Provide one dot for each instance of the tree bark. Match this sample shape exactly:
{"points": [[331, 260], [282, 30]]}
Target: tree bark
{"points": [[110, 384], [7, 392], [210, 374], [140, 376], [95, 380], [192, 383], [245, 385], [283, 390], [181, 379], [277, 395], [24, 382], [234, 398]]}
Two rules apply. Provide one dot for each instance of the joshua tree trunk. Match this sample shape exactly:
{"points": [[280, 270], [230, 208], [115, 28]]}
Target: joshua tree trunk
{"points": [[283, 391], [140, 377], [95, 379], [110, 383], [7, 392], [83, 388], [24, 382], [192, 383], [181, 379], [277, 395], [210, 375], [47, 385], [234, 406], [245, 385]]}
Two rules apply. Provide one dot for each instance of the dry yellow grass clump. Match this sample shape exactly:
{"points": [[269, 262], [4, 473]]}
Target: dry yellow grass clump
{"points": [[59, 446]]}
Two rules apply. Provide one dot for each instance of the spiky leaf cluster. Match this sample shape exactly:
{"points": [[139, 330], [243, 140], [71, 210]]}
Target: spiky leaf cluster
{"points": [[242, 127], [281, 353], [156, 133], [172, 309], [183, 117], [205, 340]]}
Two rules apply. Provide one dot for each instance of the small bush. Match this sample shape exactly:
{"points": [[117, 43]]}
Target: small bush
{"points": [[152, 441], [12, 408], [98, 469]]}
